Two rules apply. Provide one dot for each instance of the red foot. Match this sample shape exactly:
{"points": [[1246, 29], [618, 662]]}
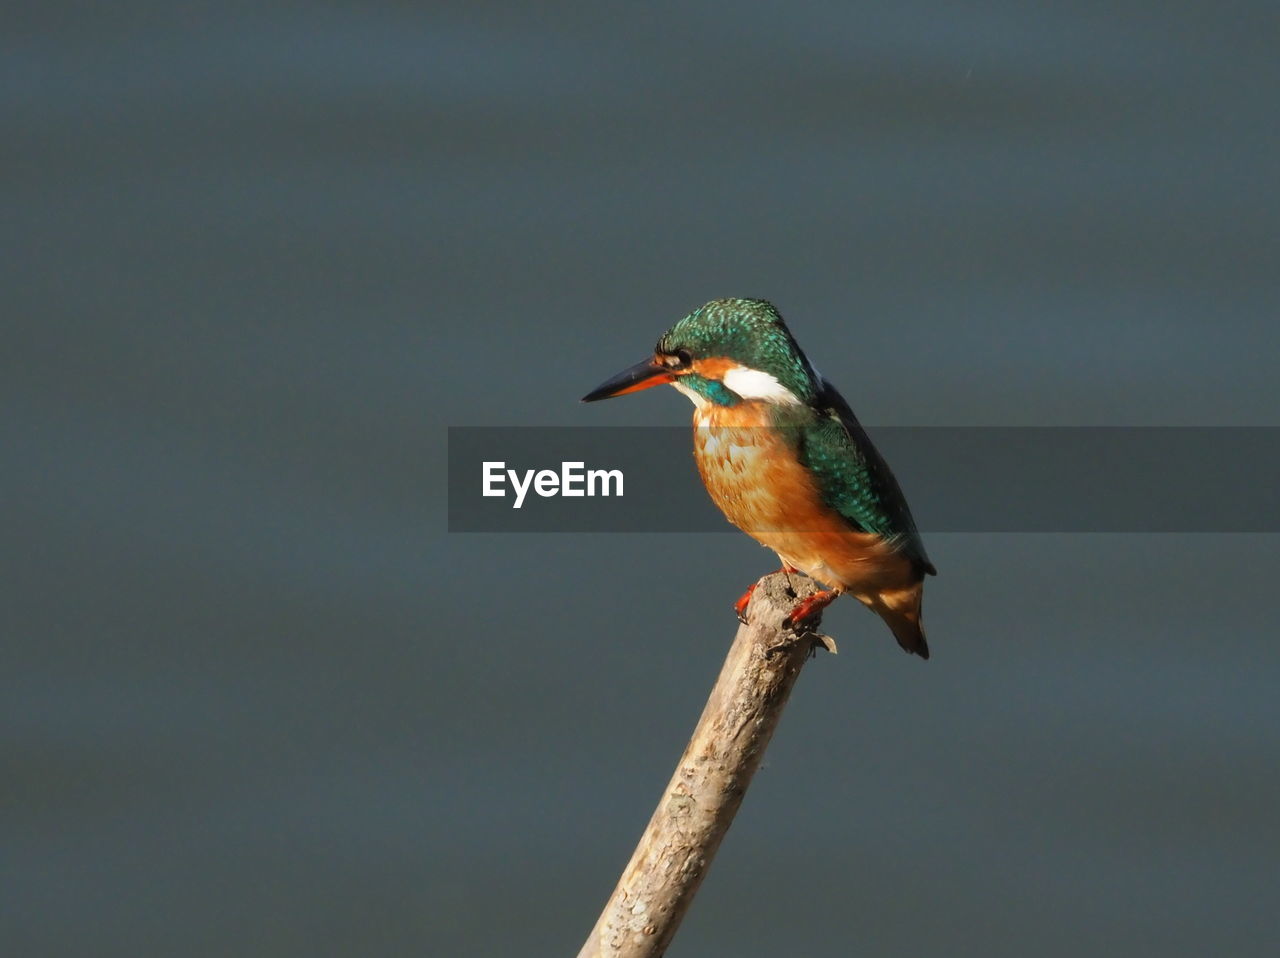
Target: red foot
{"points": [[740, 607], [809, 608]]}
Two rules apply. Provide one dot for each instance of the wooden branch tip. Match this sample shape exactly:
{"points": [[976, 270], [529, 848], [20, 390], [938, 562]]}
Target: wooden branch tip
{"points": [[699, 803]]}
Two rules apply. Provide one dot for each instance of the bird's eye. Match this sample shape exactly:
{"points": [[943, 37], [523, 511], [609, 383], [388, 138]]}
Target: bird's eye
{"points": [[680, 359], [683, 356]]}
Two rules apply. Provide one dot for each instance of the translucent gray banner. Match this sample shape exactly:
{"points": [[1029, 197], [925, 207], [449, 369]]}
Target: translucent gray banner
{"points": [[957, 479]]}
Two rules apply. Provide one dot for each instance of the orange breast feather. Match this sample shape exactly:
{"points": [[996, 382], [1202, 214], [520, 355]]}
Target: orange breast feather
{"points": [[751, 470]]}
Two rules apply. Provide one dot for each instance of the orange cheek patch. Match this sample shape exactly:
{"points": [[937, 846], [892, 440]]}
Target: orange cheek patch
{"points": [[713, 367]]}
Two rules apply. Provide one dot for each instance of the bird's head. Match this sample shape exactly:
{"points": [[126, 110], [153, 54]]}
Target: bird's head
{"points": [[723, 353]]}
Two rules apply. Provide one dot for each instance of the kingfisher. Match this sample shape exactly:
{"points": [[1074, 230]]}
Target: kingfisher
{"points": [[785, 459]]}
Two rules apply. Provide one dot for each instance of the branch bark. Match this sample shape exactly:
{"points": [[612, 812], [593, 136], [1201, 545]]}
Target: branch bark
{"points": [[704, 794]]}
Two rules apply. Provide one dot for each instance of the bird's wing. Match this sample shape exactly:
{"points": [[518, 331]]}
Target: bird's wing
{"points": [[854, 478]]}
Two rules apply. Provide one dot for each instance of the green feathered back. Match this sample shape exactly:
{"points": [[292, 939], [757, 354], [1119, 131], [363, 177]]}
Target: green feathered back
{"points": [[854, 479]]}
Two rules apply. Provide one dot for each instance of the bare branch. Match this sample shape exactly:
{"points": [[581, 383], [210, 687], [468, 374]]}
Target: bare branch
{"points": [[699, 803]]}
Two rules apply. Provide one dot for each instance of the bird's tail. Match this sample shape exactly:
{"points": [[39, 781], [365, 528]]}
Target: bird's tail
{"points": [[900, 610], [910, 635]]}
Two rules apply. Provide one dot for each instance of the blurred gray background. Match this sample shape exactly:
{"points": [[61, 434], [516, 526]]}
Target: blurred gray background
{"points": [[258, 256]]}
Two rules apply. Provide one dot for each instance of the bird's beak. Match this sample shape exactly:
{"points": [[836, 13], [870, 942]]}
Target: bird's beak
{"points": [[640, 376]]}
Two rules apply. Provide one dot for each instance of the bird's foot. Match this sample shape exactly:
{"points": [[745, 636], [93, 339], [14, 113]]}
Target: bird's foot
{"points": [[808, 611], [740, 607]]}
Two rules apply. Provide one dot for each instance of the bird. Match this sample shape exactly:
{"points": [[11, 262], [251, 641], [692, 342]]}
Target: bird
{"points": [[787, 462]]}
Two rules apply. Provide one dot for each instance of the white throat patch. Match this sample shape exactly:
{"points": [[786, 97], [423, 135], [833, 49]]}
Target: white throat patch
{"points": [[754, 384]]}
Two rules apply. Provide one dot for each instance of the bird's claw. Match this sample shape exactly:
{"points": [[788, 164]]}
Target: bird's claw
{"points": [[740, 607], [808, 611]]}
